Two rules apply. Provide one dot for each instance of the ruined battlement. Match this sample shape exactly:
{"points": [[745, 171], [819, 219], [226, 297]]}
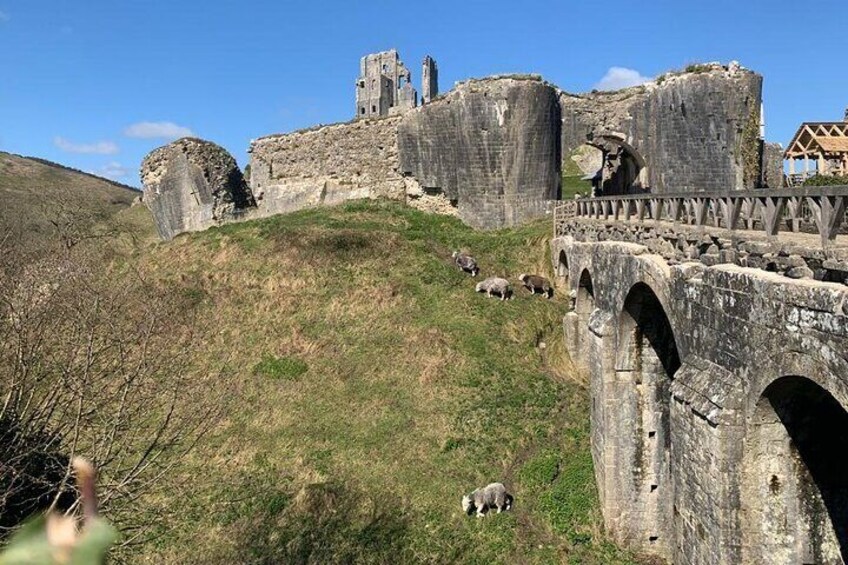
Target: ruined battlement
{"points": [[689, 131], [384, 86], [490, 150]]}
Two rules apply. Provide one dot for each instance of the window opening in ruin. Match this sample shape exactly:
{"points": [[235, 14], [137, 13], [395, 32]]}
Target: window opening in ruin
{"points": [[373, 109], [622, 168], [362, 110], [795, 475], [581, 169]]}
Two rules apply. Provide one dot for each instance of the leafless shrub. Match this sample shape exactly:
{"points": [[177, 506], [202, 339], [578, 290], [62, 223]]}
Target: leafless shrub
{"points": [[97, 363]]}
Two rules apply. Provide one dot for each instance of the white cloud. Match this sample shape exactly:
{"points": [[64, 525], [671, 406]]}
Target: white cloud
{"points": [[620, 77], [113, 170], [157, 130], [97, 148]]}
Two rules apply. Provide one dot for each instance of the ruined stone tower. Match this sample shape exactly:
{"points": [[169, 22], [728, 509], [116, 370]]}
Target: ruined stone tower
{"points": [[429, 80], [384, 86]]}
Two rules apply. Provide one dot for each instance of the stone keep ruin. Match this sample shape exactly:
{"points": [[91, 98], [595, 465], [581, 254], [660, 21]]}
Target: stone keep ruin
{"points": [[489, 151]]}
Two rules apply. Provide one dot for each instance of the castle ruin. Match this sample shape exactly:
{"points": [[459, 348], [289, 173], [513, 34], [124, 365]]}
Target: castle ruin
{"points": [[489, 151], [384, 86], [429, 80]]}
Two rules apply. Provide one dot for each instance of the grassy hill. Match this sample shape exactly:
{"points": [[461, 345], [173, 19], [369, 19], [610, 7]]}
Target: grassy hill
{"points": [[374, 388], [368, 388], [37, 194]]}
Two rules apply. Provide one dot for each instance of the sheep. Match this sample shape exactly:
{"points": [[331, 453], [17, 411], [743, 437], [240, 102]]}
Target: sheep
{"points": [[483, 499], [495, 285], [466, 263], [535, 283]]}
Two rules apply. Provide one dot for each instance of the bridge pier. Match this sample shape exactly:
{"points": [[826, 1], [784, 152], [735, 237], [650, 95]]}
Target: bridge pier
{"points": [[701, 454]]}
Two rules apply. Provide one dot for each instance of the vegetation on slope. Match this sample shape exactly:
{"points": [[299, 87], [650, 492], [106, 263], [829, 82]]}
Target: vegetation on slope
{"points": [[40, 200], [374, 389], [367, 389]]}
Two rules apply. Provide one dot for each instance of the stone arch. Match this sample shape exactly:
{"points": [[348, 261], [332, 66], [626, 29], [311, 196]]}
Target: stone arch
{"points": [[624, 169], [562, 267], [646, 360], [794, 489], [584, 305]]}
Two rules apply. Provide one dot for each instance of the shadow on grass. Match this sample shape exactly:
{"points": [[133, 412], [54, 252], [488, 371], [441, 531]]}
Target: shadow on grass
{"points": [[325, 523]]}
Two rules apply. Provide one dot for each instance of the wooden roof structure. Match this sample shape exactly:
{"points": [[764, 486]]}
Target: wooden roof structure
{"points": [[823, 143]]}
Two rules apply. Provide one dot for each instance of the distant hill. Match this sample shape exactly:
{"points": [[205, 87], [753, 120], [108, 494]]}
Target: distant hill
{"points": [[36, 193]]}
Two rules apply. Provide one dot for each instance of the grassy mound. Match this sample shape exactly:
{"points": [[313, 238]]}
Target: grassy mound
{"points": [[374, 388]]}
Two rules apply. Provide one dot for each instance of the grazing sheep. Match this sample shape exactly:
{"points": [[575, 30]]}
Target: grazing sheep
{"points": [[495, 285], [535, 283], [483, 499], [466, 263]]}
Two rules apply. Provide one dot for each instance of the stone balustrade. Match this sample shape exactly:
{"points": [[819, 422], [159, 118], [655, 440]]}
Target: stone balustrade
{"points": [[818, 209]]}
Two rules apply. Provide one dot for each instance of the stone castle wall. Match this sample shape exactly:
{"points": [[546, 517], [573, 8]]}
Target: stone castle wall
{"points": [[489, 151], [491, 146], [326, 165], [694, 131]]}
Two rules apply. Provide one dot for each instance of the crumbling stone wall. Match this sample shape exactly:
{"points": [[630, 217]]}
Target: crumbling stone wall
{"points": [[772, 166], [492, 146], [743, 485], [490, 150], [326, 165], [191, 184], [690, 131]]}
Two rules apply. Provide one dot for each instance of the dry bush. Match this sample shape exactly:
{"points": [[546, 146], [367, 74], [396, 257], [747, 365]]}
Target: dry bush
{"points": [[94, 363]]}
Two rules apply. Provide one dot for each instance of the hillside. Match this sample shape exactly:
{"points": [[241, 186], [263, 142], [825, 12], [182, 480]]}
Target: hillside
{"points": [[36, 193], [366, 387], [374, 389]]}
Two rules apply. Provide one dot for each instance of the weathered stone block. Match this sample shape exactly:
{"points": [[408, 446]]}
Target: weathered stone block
{"points": [[192, 184]]}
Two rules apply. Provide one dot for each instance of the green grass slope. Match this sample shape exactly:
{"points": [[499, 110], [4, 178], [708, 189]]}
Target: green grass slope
{"points": [[374, 388], [37, 193]]}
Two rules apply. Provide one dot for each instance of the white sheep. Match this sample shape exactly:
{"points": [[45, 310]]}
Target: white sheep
{"points": [[495, 285], [484, 499]]}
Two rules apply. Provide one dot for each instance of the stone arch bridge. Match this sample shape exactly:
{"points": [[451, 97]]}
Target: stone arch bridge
{"points": [[719, 369]]}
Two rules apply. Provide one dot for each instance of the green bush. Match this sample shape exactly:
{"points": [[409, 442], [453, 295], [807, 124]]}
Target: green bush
{"points": [[826, 180]]}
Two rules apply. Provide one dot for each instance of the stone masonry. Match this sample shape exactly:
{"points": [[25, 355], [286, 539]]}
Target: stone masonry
{"points": [[326, 165], [490, 150], [429, 80], [490, 146], [719, 382], [384, 86], [191, 184], [687, 131]]}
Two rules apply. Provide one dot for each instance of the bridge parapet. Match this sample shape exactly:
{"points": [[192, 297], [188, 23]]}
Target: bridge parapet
{"points": [[719, 392], [820, 210]]}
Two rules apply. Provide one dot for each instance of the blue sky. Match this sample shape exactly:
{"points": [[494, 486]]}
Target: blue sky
{"points": [[96, 84]]}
